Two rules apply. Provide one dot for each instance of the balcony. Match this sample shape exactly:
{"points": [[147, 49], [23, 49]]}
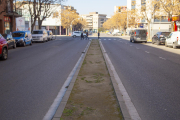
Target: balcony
{"points": [[15, 12]]}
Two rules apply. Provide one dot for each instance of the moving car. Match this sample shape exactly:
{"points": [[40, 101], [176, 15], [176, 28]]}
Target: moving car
{"points": [[39, 35], [77, 34], [11, 42], [3, 48], [50, 35], [160, 37], [22, 38], [138, 35], [173, 40], [117, 34]]}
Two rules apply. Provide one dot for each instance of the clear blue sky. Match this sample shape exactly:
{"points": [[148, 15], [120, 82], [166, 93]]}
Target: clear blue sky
{"points": [[100, 6]]}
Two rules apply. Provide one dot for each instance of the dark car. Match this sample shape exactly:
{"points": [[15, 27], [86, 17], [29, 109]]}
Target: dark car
{"points": [[11, 42], [3, 48], [160, 37], [138, 35]]}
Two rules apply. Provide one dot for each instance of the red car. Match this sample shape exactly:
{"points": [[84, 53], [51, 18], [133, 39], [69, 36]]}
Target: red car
{"points": [[3, 48]]}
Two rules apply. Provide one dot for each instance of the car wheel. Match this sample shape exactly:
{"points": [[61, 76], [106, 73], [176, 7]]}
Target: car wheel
{"points": [[145, 41], [166, 44], [31, 42], [14, 46], [74, 36], [24, 44], [130, 40], [174, 45], [4, 54]]}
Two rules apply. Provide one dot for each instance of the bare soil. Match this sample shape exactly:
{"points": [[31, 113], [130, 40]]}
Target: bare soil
{"points": [[92, 97]]}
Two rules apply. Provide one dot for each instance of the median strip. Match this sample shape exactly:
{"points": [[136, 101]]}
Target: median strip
{"points": [[92, 96]]}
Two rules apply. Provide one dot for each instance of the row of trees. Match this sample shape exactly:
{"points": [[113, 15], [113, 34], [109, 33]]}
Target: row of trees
{"points": [[148, 10], [69, 17]]}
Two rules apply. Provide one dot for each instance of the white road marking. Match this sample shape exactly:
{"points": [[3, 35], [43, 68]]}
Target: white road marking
{"points": [[109, 39], [104, 39], [52, 110], [162, 58], [130, 106], [146, 51]]}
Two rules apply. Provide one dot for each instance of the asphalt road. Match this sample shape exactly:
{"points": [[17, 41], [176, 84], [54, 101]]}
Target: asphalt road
{"points": [[33, 75], [150, 75]]}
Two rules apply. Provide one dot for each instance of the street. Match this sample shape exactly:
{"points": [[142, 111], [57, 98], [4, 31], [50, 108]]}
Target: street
{"points": [[33, 75], [149, 74]]}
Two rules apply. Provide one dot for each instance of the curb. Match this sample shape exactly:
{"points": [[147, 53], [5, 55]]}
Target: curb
{"points": [[119, 95], [65, 98]]}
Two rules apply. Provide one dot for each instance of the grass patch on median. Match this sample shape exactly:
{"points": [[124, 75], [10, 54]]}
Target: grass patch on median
{"points": [[92, 97]]}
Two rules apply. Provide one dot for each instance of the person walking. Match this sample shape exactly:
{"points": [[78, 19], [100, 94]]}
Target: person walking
{"points": [[98, 35], [82, 37], [87, 36]]}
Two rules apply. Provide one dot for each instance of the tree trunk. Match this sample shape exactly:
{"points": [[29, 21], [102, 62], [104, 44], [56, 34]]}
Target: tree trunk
{"points": [[39, 23], [172, 26], [66, 31], [32, 24], [149, 34]]}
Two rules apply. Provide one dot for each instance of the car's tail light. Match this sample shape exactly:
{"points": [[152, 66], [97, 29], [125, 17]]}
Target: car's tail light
{"points": [[146, 33], [135, 34], [177, 38], [161, 36]]}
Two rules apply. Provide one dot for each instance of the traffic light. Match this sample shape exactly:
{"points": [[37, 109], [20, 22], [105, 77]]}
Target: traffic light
{"points": [[119, 9]]}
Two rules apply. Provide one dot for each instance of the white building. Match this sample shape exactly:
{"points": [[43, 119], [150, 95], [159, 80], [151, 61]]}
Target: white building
{"points": [[94, 21], [52, 23], [156, 25]]}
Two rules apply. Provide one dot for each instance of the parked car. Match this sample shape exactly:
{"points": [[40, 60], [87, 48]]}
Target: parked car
{"points": [[3, 48], [173, 40], [138, 35], [78, 34], [50, 35], [39, 35], [22, 38], [160, 37], [11, 42]]}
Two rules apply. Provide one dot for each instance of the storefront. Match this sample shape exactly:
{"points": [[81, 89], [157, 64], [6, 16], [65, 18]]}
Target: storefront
{"points": [[7, 24], [176, 20]]}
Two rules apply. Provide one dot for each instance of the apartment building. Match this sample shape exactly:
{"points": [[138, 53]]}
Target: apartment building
{"points": [[156, 25], [8, 15], [94, 21]]}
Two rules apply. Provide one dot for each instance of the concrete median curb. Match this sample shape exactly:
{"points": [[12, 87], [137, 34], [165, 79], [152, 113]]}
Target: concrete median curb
{"points": [[65, 98]]}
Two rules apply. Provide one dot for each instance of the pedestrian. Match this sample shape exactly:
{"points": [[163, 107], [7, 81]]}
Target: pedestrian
{"points": [[82, 37], [87, 36], [98, 35]]}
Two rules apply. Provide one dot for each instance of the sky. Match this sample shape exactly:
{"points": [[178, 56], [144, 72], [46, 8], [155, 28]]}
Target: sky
{"points": [[100, 6]]}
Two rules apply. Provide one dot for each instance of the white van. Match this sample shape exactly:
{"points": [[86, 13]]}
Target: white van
{"points": [[173, 40], [39, 35]]}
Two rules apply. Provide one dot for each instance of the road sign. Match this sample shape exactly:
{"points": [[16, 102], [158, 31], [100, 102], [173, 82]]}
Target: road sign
{"points": [[137, 20]]}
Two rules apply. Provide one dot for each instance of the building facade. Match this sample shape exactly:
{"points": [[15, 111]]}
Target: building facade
{"points": [[8, 15], [94, 21], [156, 25]]}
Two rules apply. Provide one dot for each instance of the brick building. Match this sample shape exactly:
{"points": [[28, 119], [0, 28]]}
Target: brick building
{"points": [[8, 15]]}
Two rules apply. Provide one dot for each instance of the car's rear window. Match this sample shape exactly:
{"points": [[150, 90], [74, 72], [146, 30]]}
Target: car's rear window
{"points": [[166, 34], [19, 34], [37, 32], [140, 32]]}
